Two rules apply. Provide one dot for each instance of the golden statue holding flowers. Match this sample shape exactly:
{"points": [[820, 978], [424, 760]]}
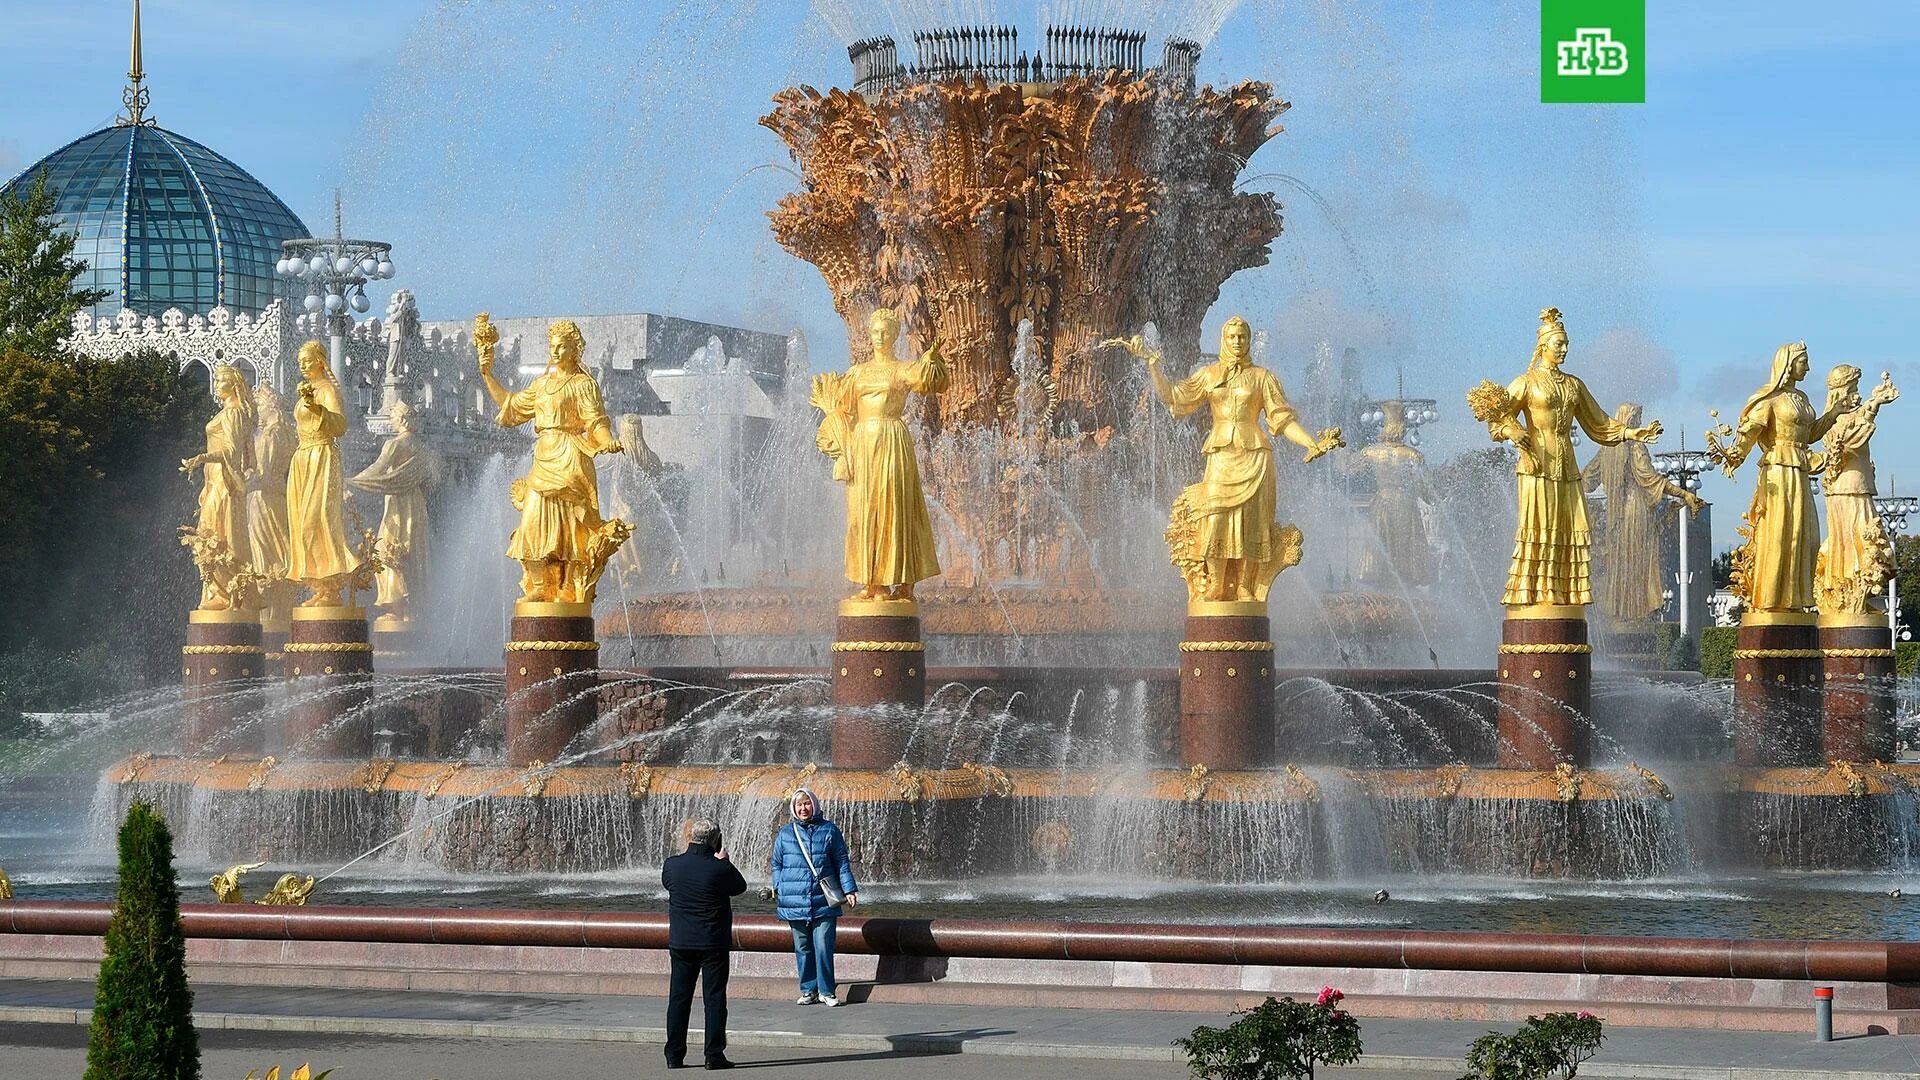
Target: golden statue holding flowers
{"points": [[1553, 545], [562, 543], [889, 539], [1223, 535]]}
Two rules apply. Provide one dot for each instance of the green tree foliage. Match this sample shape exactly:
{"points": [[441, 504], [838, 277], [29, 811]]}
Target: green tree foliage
{"points": [[89, 499], [37, 273], [142, 1009], [1721, 568], [1279, 1039]]}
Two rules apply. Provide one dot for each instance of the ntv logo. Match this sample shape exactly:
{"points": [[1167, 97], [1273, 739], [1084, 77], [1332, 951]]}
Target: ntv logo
{"points": [[1582, 39], [1592, 52]]}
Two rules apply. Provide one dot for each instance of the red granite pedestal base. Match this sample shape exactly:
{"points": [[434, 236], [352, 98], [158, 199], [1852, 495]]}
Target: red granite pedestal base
{"points": [[1546, 687], [1226, 686], [879, 681], [329, 658], [1860, 702], [552, 661], [223, 653], [1776, 690]]}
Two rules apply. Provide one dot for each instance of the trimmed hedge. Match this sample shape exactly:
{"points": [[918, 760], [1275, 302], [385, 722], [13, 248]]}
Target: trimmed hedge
{"points": [[1716, 651]]}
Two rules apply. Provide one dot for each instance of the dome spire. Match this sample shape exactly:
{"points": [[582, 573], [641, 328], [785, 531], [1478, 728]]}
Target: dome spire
{"points": [[135, 97]]}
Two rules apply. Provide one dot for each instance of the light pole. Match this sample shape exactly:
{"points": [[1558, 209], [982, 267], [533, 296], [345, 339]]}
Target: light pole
{"points": [[1683, 467], [1893, 511], [335, 272]]}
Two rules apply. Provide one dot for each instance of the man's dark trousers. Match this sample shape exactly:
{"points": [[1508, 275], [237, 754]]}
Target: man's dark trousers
{"points": [[711, 966]]}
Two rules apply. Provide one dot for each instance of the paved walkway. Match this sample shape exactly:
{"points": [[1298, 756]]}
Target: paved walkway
{"points": [[494, 1027]]}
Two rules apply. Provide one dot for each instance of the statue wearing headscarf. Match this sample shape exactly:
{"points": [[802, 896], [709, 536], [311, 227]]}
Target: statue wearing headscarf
{"points": [[1629, 542], [1856, 560], [1552, 548], [1223, 534], [273, 445], [402, 473], [1783, 529]]}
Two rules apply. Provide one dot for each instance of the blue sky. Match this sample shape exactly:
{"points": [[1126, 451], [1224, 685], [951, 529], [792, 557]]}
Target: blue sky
{"points": [[603, 156]]}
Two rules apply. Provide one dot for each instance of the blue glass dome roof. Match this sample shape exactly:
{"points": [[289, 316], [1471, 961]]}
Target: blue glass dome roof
{"points": [[163, 222]]}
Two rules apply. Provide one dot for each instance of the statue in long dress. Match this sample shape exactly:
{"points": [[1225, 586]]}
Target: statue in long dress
{"points": [[635, 468], [1398, 472], [1856, 561], [1223, 535], [1630, 587], [1552, 548], [219, 540], [319, 555], [273, 444], [402, 473], [889, 546], [1774, 569], [562, 542]]}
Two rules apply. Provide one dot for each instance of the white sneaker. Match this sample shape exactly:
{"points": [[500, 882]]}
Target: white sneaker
{"points": [[808, 998], [829, 1001]]}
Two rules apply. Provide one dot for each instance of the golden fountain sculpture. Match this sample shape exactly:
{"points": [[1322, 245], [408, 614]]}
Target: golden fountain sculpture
{"points": [[1083, 205], [562, 543], [1223, 535], [219, 535], [401, 474], [274, 441], [1552, 547], [320, 553], [1856, 561], [1774, 571], [889, 545], [1630, 584]]}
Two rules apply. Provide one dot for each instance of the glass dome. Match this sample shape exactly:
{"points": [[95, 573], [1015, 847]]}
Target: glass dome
{"points": [[163, 222]]}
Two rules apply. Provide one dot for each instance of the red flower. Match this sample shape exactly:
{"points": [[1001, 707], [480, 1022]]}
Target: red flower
{"points": [[1585, 1015], [1328, 996]]}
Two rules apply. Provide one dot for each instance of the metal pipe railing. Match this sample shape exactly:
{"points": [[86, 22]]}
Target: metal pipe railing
{"points": [[1430, 950]]}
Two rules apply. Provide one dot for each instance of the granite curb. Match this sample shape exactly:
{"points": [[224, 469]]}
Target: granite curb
{"points": [[920, 1044]]}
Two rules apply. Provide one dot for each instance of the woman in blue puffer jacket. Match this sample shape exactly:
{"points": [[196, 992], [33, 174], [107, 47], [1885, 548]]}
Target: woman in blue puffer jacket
{"points": [[802, 902]]}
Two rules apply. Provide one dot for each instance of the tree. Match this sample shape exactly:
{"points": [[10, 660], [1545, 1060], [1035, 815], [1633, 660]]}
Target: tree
{"points": [[1722, 569], [37, 273], [142, 1008]]}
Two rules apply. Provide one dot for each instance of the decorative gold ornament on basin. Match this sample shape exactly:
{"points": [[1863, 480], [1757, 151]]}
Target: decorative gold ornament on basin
{"points": [[889, 546], [562, 543], [219, 534], [1552, 547], [1856, 560], [1223, 536]]}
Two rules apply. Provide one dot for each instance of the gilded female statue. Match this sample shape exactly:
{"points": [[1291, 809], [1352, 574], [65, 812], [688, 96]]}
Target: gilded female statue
{"points": [[1630, 587], [318, 553], [219, 537], [1223, 534], [1552, 547], [562, 543], [889, 544], [1399, 481], [273, 444], [1776, 569], [401, 474], [1856, 561]]}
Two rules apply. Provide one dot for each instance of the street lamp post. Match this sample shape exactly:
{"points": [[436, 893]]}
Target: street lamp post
{"points": [[1893, 511], [335, 272], [1683, 467]]}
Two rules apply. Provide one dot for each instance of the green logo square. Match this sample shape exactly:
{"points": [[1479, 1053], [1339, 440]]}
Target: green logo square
{"points": [[1593, 51]]}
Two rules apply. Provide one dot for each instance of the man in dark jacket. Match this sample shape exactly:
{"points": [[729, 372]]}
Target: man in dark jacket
{"points": [[701, 885]]}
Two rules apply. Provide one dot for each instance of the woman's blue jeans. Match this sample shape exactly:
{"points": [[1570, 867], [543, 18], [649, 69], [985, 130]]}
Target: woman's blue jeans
{"points": [[813, 953]]}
